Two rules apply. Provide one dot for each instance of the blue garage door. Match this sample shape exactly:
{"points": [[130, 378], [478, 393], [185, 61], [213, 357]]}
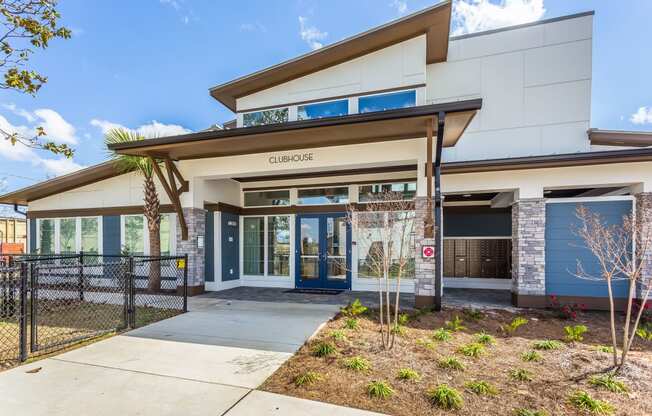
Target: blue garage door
{"points": [[564, 249]]}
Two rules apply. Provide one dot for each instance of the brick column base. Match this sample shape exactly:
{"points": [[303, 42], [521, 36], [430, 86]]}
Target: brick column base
{"points": [[424, 279], [528, 252], [196, 221]]}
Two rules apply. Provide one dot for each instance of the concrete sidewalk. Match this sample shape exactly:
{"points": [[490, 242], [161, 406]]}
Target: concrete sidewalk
{"points": [[205, 362]]}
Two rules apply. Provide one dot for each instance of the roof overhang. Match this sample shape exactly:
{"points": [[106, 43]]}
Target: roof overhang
{"points": [[434, 22], [620, 138], [404, 123]]}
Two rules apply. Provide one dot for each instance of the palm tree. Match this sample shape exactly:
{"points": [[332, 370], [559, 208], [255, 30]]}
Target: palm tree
{"points": [[152, 205]]}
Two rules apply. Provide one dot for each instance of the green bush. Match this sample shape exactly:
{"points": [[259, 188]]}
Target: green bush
{"points": [[354, 308], [547, 344], [608, 382], [584, 402], [403, 319], [455, 325], [309, 377], [604, 348], [324, 349], [481, 388], [356, 363], [645, 332], [531, 356], [485, 339], [399, 330], [451, 363], [473, 314], [380, 389], [351, 323], [442, 334], [471, 350], [520, 374], [408, 374], [338, 335], [516, 323], [426, 343], [445, 397], [575, 333], [528, 412]]}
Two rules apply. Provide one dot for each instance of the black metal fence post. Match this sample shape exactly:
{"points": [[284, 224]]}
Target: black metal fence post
{"points": [[185, 282], [132, 294], [23, 313], [81, 276], [124, 270], [33, 313]]}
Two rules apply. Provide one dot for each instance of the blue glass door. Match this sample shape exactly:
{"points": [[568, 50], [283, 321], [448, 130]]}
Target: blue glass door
{"points": [[323, 251]]}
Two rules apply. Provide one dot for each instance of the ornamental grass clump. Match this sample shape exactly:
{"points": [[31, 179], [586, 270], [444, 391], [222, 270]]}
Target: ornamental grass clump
{"points": [[547, 344], [473, 350], [352, 324], [354, 309], [445, 397], [528, 412], [608, 382], [520, 374], [408, 374], [531, 356], [455, 324], [380, 389], [473, 314], [584, 402], [307, 378], [338, 335], [324, 349], [605, 349], [575, 333], [356, 363], [481, 388], [485, 339], [451, 363], [516, 323], [442, 334]]}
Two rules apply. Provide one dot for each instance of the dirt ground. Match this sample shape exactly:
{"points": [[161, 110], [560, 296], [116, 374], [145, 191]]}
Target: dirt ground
{"points": [[561, 372]]}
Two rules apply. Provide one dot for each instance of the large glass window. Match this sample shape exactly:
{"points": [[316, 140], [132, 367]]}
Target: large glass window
{"points": [[323, 196], [67, 232], [368, 193], [134, 233], [254, 246], [90, 235], [389, 101], [46, 236], [166, 235], [261, 118], [321, 110], [266, 198], [278, 246]]}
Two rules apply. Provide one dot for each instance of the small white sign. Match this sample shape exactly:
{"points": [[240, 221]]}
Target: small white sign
{"points": [[428, 252]]}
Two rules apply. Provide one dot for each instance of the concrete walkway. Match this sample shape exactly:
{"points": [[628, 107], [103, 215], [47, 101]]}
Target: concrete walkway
{"points": [[206, 362]]}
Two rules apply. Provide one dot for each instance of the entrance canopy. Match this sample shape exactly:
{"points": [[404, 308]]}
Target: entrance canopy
{"points": [[404, 123]]}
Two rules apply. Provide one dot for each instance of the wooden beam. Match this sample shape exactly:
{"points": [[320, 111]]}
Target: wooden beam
{"points": [[172, 191], [185, 186]]}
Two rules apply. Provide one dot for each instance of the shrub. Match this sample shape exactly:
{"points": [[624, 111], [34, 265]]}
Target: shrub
{"points": [[645, 332], [646, 316], [566, 311], [403, 319], [455, 325], [338, 335], [408, 374], [309, 377], [324, 349], [608, 382], [380, 389], [473, 314], [356, 363], [531, 356], [547, 344], [604, 348], [451, 363], [442, 334], [485, 339], [354, 308], [398, 330], [481, 388], [445, 397], [520, 374], [575, 333], [528, 412], [351, 323], [584, 402], [514, 325], [426, 343], [471, 350]]}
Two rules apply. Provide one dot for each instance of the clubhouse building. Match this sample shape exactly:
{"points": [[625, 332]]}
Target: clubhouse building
{"points": [[490, 130]]}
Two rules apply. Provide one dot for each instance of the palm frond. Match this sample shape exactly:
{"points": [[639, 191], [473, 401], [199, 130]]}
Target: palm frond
{"points": [[126, 163]]}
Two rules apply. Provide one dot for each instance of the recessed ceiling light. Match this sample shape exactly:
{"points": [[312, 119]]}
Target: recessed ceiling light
{"points": [[546, 192], [466, 195]]}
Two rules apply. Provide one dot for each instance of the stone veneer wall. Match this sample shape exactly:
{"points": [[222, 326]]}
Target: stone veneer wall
{"points": [[424, 282], [196, 221], [528, 249], [644, 217]]}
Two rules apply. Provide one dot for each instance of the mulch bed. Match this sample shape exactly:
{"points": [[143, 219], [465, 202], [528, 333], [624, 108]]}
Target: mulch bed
{"points": [[562, 371]]}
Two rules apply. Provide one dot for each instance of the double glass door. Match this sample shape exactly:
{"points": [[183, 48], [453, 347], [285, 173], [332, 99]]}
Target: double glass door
{"points": [[323, 251]]}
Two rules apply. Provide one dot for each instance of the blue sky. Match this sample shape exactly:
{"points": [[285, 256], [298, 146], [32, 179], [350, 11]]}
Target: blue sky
{"points": [[148, 64]]}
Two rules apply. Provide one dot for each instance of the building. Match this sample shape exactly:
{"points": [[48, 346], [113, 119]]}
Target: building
{"points": [[495, 123], [13, 231]]}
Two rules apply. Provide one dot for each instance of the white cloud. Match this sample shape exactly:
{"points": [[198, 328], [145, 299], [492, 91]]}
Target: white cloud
{"points": [[478, 15], [400, 6], [642, 116], [311, 34], [150, 130], [19, 112], [57, 129]]}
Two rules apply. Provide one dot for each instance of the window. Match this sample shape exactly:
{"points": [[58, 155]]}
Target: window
{"points": [[135, 235], [69, 235], [90, 233], [367, 193], [267, 198], [323, 196], [371, 245], [67, 232], [261, 118], [321, 110], [46, 236], [166, 236], [266, 245], [389, 101]]}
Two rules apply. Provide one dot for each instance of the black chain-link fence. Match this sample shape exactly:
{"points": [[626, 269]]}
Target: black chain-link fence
{"points": [[50, 302]]}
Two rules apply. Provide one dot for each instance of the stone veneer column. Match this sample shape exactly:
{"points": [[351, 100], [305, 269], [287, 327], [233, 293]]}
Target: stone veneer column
{"points": [[196, 221], [644, 218], [528, 252], [424, 282]]}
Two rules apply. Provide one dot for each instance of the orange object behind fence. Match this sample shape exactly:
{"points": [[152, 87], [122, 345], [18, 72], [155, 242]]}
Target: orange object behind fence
{"points": [[10, 248]]}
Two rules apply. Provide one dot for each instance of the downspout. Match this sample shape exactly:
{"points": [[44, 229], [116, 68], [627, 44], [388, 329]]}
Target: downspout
{"points": [[16, 210], [438, 211]]}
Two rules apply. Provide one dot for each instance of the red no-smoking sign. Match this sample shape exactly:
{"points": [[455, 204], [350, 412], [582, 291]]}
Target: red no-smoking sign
{"points": [[428, 252]]}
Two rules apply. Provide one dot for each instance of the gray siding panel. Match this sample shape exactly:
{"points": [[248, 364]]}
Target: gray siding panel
{"points": [[32, 235], [111, 234], [564, 249], [209, 247], [230, 228]]}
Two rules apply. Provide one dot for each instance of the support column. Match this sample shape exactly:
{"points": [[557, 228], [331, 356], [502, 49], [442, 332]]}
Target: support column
{"points": [[424, 283], [196, 223], [528, 253], [644, 219]]}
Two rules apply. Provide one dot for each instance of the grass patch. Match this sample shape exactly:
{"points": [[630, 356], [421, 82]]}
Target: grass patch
{"points": [[511, 327], [528, 412], [531, 356], [445, 397], [455, 324], [427, 344], [324, 349], [485, 339], [604, 348], [380, 389], [608, 382], [399, 330], [547, 345], [520, 374], [307, 378], [408, 374], [575, 333], [451, 363], [356, 363], [442, 334], [338, 335], [584, 402], [352, 324], [473, 350], [481, 388]]}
